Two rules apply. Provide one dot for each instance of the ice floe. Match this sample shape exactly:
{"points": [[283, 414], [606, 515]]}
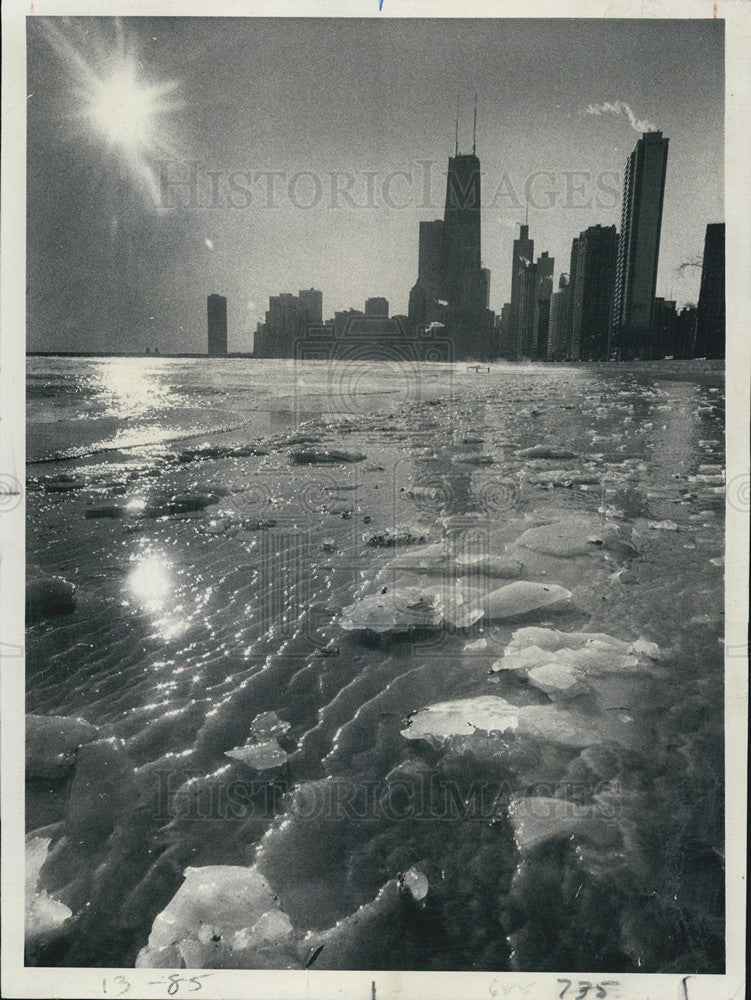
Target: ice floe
{"points": [[573, 536], [462, 717], [44, 916], [262, 756], [521, 598]]}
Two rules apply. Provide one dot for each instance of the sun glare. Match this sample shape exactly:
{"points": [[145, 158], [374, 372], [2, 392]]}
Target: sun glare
{"points": [[123, 110], [116, 100]]}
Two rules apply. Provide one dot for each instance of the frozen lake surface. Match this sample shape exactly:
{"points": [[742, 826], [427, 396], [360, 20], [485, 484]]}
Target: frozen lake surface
{"points": [[441, 644]]}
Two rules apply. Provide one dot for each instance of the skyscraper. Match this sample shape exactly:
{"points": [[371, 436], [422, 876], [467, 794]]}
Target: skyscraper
{"points": [[524, 252], [639, 248], [216, 310], [710, 329], [557, 322], [426, 295], [287, 320], [592, 293], [541, 315], [452, 287]]}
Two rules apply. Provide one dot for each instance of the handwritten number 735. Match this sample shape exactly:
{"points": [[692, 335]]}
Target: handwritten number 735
{"points": [[585, 987]]}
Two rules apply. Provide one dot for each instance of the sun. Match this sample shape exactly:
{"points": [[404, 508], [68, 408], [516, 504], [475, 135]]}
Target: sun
{"points": [[125, 111], [116, 103]]}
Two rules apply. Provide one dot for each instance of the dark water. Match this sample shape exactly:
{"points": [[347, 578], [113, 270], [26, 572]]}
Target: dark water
{"points": [[212, 585]]}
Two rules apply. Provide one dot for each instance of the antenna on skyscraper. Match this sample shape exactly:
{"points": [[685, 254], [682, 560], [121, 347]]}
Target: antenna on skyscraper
{"points": [[474, 130], [456, 140], [526, 217]]}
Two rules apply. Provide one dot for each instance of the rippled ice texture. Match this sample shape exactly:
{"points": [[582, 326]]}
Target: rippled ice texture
{"points": [[213, 566]]}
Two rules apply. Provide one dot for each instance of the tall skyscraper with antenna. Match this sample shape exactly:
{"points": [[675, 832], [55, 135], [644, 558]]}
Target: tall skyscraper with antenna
{"points": [[462, 286]]}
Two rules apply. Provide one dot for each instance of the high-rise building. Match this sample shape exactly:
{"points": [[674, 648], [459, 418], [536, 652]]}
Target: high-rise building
{"points": [[287, 320], [566, 334], [503, 331], [452, 287], [592, 293], [543, 292], [639, 248], [216, 310], [524, 252], [376, 306], [710, 328], [425, 299], [557, 323]]}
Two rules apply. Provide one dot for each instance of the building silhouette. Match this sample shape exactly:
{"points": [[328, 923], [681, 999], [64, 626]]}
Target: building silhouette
{"points": [[425, 303], [216, 310], [559, 303], [665, 327], [633, 334], [710, 326], [543, 291], [311, 303], [684, 345], [503, 332], [521, 262], [287, 320], [452, 287], [376, 306], [592, 293]]}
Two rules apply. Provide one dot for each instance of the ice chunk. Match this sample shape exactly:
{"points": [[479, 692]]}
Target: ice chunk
{"points": [[410, 535], [267, 725], [51, 744], [462, 718], [558, 680], [662, 525], [398, 610], [325, 457], [642, 647], [583, 653], [523, 597], [43, 914], [225, 898], [47, 597], [552, 639], [523, 659], [574, 536], [262, 756], [417, 883]]}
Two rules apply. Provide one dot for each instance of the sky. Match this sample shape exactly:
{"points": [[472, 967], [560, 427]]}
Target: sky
{"points": [[309, 149]]}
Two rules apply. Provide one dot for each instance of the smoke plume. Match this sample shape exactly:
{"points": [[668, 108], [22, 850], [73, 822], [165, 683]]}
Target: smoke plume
{"points": [[621, 108]]}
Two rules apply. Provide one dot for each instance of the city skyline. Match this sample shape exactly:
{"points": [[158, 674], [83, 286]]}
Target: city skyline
{"points": [[372, 102]]}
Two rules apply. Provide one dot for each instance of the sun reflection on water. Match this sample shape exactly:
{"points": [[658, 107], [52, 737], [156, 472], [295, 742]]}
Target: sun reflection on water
{"points": [[131, 388], [151, 585]]}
